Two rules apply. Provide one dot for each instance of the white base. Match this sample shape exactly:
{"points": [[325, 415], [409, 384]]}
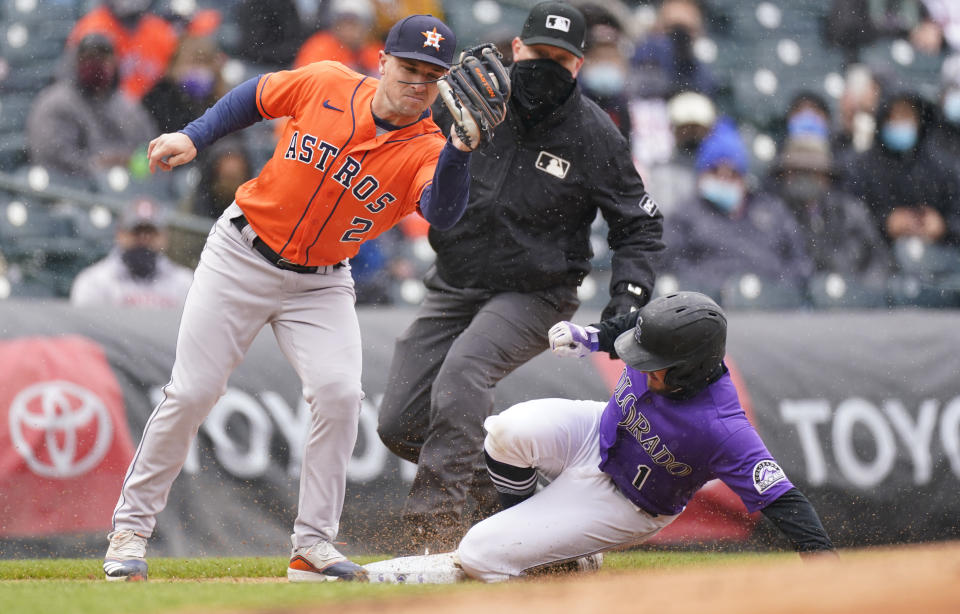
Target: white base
{"points": [[298, 575], [425, 569]]}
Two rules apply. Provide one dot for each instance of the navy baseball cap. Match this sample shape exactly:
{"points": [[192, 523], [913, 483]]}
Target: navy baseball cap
{"points": [[422, 37], [557, 24]]}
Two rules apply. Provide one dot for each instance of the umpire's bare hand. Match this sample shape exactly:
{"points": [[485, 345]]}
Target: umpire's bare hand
{"points": [[170, 150]]}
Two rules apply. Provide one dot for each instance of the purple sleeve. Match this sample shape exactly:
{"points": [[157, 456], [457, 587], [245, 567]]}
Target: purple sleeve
{"points": [[444, 201], [235, 111], [745, 465]]}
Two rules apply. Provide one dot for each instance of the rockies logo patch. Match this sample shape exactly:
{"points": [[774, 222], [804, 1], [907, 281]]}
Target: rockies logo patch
{"points": [[766, 473], [552, 165]]}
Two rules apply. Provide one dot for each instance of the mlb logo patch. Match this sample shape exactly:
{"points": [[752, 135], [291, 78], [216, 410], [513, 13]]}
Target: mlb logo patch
{"points": [[648, 205], [552, 165], [766, 473], [558, 22]]}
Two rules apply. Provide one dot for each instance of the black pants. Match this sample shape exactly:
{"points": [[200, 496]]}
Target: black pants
{"points": [[441, 386]]}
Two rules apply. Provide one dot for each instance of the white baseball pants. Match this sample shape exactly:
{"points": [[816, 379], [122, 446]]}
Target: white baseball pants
{"points": [[234, 294], [580, 512]]}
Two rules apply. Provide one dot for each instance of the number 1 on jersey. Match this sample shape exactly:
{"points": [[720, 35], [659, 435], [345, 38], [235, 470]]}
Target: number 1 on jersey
{"points": [[642, 472]]}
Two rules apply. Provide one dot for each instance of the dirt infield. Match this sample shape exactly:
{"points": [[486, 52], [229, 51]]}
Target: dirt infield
{"points": [[912, 579]]}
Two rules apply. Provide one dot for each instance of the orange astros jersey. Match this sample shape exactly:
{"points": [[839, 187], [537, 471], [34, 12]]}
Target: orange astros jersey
{"points": [[332, 183]]}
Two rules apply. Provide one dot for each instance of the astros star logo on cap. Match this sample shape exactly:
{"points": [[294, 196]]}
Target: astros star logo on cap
{"points": [[433, 38]]}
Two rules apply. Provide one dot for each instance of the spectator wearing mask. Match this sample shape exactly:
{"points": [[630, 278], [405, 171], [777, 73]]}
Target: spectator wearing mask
{"points": [[692, 116], [808, 114], [726, 230], [143, 42], [604, 75], [910, 190], [840, 234], [667, 57], [136, 272], [347, 40], [82, 124], [192, 83]]}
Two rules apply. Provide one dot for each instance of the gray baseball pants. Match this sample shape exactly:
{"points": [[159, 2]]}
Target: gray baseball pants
{"points": [[441, 386], [235, 293]]}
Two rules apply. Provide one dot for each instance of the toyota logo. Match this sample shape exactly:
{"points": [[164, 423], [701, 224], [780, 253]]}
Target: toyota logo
{"points": [[59, 410]]}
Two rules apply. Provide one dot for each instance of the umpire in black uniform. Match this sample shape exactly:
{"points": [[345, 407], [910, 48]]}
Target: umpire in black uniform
{"points": [[510, 269]]}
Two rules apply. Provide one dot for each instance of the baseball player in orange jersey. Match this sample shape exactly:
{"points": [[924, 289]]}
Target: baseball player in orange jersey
{"points": [[357, 155]]}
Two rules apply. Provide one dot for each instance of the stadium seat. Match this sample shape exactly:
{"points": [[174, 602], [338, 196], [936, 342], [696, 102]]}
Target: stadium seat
{"points": [[21, 43], [473, 26], [911, 291], [40, 11], [904, 67], [834, 291], [914, 257], [750, 292], [668, 282], [29, 287], [771, 70], [49, 243], [13, 151], [14, 109], [28, 78]]}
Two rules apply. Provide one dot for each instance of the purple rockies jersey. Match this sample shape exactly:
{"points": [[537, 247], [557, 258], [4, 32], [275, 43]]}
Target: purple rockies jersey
{"points": [[660, 451]]}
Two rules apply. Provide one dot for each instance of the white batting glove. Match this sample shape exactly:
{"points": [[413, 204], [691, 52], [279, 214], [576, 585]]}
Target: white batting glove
{"points": [[568, 339]]}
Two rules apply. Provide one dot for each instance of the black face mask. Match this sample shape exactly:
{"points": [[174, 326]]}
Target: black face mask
{"points": [[141, 262], [803, 190], [96, 76], [539, 87], [688, 147]]}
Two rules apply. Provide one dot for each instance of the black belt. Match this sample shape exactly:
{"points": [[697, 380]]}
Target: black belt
{"points": [[273, 257]]}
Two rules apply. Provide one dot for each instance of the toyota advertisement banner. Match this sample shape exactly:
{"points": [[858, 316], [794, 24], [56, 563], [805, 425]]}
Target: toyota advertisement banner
{"points": [[862, 409]]}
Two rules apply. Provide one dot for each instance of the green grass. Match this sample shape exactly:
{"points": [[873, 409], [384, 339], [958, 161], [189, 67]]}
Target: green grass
{"points": [[76, 586]]}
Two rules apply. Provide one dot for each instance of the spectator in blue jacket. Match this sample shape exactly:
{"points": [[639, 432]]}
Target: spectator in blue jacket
{"points": [[728, 230]]}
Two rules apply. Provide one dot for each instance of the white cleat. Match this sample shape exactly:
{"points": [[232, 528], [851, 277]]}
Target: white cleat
{"points": [[125, 558], [321, 562]]}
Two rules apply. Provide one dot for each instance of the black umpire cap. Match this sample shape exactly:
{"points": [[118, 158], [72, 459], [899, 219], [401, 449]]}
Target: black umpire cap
{"points": [[557, 24], [422, 37]]}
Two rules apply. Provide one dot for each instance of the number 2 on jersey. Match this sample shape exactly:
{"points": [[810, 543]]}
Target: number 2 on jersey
{"points": [[642, 472], [355, 234]]}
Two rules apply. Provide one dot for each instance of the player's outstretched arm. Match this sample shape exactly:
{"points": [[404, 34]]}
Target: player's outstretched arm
{"points": [[794, 516], [170, 150]]}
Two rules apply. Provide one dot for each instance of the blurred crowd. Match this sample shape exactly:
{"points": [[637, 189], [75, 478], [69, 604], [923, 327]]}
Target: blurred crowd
{"points": [[804, 154]]}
